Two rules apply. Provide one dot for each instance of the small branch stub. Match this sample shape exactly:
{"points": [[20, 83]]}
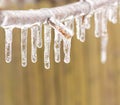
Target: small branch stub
{"points": [[55, 24]]}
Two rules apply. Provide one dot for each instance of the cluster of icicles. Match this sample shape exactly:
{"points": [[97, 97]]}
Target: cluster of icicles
{"points": [[101, 17]]}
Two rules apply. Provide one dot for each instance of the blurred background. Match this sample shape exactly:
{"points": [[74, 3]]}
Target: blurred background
{"points": [[85, 81]]}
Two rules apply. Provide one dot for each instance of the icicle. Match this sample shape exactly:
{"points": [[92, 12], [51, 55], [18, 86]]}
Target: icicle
{"points": [[39, 36], [8, 44], [82, 36], [80, 28], [97, 19], [78, 20], [71, 24], [112, 13], [87, 21], [104, 42], [57, 45], [47, 43], [67, 48], [67, 43], [104, 37], [104, 22], [24, 34], [34, 30]]}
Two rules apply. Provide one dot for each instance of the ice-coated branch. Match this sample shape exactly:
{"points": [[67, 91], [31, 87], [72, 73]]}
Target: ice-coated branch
{"points": [[62, 19], [18, 18]]}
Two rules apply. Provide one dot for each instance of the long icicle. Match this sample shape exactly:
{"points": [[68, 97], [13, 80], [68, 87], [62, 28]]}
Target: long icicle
{"points": [[83, 32], [67, 42], [57, 45], [78, 20], [80, 28], [97, 19], [34, 30], [87, 21], [39, 36], [104, 36], [24, 34], [47, 43], [8, 44]]}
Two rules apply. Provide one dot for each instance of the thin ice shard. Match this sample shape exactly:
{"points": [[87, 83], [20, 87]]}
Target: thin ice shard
{"points": [[78, 20], [67, 43], [47, 43], [104, 37], [97, 19], [39, 36], [34, 30], [8, 44], [24, 34], [57, 45]]}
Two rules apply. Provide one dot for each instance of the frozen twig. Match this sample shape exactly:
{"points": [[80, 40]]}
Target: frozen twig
{"points": [[61, 19]]}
